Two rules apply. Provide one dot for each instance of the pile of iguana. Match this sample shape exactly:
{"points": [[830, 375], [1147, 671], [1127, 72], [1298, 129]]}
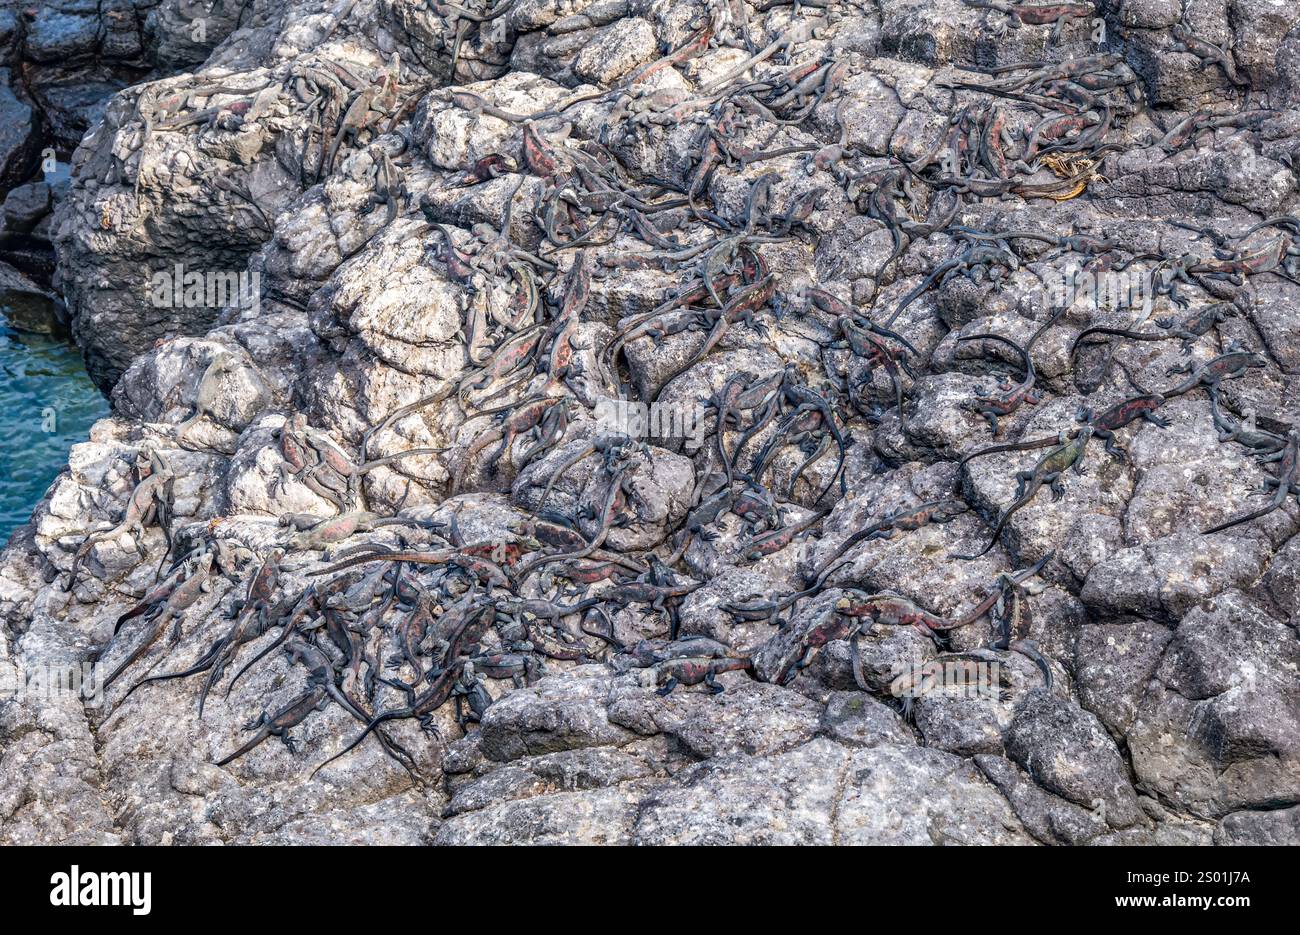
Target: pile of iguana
{"points": [[395, 630]]}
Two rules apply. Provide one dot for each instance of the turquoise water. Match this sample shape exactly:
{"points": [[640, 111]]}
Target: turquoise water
{"points": [[47, 404]]}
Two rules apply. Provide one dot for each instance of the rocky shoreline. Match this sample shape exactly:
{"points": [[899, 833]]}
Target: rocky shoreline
{"points": [[780, 235]]}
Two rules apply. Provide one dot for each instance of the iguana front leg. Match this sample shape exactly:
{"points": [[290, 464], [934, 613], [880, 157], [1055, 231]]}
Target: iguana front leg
{"points": [[1056, 484]]}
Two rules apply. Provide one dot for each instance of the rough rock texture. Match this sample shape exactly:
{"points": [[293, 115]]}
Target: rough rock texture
{"points": [[415, 256]]}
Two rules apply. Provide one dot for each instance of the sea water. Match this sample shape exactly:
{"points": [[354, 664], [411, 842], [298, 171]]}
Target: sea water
{"points": [[47, 404]]}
